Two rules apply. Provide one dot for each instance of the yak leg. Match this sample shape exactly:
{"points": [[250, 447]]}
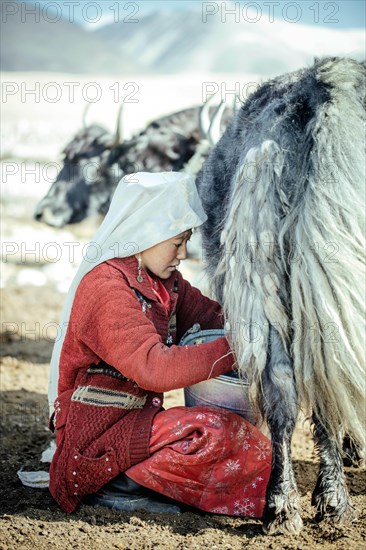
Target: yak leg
{"points": [[330, 496], [280, 408]]}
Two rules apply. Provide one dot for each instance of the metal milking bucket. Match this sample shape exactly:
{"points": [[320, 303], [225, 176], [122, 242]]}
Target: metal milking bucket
{"points": [[226, 391]]}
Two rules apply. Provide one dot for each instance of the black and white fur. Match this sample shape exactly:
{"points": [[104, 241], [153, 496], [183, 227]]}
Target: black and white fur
{"points": [[284, 191], [95, 160]]}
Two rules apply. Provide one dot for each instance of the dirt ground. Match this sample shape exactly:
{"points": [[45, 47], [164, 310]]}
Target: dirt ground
{"points": [[31, 519]]}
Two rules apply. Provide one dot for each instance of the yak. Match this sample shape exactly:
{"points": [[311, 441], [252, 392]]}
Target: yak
{"points": [[284, 244], [95, 160]]}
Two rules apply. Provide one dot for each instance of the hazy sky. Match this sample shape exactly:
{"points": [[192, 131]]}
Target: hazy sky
{"points": [[330, 14]]}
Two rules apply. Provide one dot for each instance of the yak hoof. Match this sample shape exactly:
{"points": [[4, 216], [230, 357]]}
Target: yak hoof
{"points": [[337, 511], [285, 520]]}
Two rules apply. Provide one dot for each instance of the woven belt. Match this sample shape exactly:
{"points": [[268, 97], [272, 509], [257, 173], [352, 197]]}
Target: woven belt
{"points": [[107, 370]]}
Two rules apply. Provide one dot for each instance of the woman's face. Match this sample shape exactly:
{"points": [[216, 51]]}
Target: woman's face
{"points": [[163, 258]]}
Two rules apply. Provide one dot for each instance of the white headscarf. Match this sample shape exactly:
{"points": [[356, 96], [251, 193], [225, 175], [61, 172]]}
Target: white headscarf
{"points": [[146, 209]]}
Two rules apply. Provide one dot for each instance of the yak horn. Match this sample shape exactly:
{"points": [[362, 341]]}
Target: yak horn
{"points": [[86, 108], [118, 137], [204, 117], [214, 132]]}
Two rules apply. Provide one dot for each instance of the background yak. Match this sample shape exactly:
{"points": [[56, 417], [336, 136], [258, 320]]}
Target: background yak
{"points": [[284, 191], [95, 160]]}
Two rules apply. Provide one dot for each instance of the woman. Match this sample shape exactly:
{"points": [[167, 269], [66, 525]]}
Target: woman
{"points": [[127, 309]]}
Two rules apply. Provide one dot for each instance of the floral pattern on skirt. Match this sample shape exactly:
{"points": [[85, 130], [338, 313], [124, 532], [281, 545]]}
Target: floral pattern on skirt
{"points": [[208, 458]]}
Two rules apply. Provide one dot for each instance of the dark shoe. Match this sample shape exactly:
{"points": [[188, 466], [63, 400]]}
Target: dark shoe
{"points": [[129, 503], [122, 493]]}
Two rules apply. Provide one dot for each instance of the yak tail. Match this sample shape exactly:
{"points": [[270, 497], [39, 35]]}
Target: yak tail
{"points": [[304, 272]]}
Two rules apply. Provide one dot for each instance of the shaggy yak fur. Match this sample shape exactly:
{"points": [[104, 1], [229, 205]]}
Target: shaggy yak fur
{"points": [[284, 191]]}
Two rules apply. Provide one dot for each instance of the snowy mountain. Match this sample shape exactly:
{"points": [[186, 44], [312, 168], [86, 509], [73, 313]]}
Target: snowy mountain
{"points": [[178, 41], [172, 41]]}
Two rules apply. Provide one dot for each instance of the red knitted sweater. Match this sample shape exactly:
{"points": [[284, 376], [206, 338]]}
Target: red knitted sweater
{"points": [[112, 324]]}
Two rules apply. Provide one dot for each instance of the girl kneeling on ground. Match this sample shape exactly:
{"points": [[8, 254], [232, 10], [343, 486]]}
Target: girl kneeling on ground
{"points": [[125, 313]]}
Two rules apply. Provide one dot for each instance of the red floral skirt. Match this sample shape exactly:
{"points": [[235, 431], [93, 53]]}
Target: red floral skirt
{"points": [[208, 458]]}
